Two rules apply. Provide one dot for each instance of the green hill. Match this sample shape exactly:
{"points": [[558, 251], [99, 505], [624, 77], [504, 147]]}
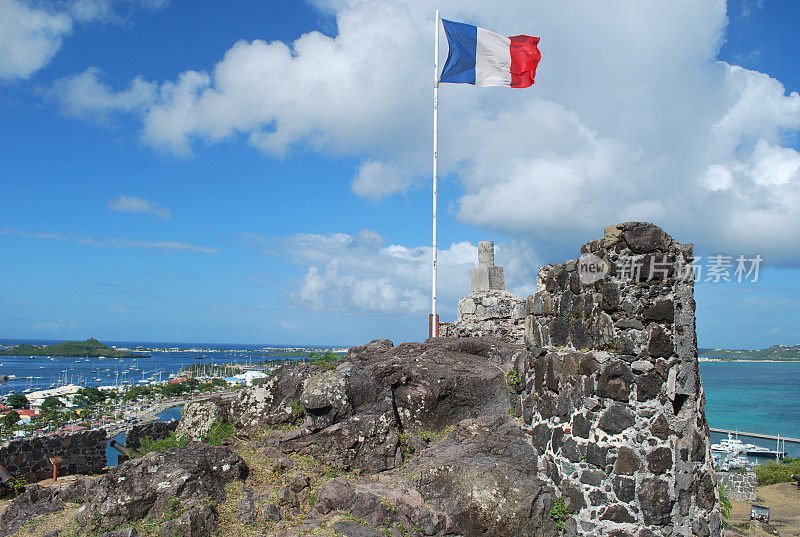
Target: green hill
{"points": [[775, 352], [90, 347]]}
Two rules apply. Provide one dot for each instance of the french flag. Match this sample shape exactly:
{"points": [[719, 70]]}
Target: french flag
{"points": [[478, 56]]}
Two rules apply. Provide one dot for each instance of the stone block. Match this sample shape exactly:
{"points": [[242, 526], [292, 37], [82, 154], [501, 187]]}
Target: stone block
{"points": [[479, 280], [486, 254], [496, 279]]}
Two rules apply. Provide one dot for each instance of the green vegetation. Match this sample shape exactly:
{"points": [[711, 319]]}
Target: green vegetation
{"points": [[219, 431], [10, 420], [17, 401], [173, 440], [773, 472], [90, 347], [725, 504], [513, 380], [298, 412], [559, 513], [88, 397], [51, 403], [327, 360], [775, 352], [16, 485]]}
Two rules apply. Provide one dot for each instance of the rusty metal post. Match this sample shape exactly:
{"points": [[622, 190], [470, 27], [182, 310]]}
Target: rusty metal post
{"points": [[56, 461], [433, 325]]}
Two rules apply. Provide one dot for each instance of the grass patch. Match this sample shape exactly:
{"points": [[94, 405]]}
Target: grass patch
{"points": [[725, 504], [219, 431], [173, 440], [773, 472]]}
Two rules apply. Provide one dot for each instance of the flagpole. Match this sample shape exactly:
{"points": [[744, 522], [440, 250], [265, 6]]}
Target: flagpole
{"points": [[433, 321]]}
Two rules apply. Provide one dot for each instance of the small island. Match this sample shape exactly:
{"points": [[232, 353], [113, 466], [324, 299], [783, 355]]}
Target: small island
{"points": [[90, 348], [782, 353]]}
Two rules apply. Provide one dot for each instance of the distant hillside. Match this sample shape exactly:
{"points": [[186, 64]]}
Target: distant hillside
{"points": [[775, 352], [90, 347]]}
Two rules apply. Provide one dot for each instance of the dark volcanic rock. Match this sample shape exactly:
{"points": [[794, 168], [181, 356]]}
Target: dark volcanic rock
{"points": [[483, 475], [643, 237], [616, 419], [35, 501], [661, 344], [615, 382], [271, 403], [349, 528], [199, 520], [659, 460], [655, 501], [627, 461], [355, 412], [145, 487]]}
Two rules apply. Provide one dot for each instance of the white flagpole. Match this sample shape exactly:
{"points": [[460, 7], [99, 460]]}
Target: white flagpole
{"points": [[433, 323]]}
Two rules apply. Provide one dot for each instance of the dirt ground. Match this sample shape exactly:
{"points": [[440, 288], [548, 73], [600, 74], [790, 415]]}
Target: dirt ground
{"points": [[783, 500]]}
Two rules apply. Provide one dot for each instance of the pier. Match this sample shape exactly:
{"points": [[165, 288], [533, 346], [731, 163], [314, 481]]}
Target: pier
{"points": [[757, 435]]}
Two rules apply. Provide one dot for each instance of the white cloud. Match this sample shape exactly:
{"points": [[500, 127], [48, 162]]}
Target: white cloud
{"points": [[167, 246], [133, 204], [31, 35], [376, 180], [363, 274], [631, 118], [86, 96]]}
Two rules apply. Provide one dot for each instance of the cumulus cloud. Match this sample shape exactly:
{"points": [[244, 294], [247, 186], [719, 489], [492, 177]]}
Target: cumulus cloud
{"points": [[167, 246], [133, 204], [85, 95], [361, 273], [31, 35], [653, 128]]}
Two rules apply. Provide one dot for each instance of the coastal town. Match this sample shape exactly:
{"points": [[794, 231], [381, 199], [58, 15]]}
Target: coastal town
{"points": [[73, 407]]}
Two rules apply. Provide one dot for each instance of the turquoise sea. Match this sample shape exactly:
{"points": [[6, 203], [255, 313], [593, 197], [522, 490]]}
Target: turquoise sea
{"points": [[757, 397]]}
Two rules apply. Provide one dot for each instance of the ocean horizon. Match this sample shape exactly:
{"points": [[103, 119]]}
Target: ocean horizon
{"points": [[751, 396]]}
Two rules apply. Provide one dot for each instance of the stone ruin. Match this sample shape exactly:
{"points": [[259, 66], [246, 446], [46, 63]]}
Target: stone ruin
{"points": [[612, 389], [609, 389], [489, 309]]}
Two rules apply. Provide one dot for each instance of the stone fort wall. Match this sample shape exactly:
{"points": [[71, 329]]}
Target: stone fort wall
{"points": [[156, 430], [739, 487], [83, 452], [610, 388]]}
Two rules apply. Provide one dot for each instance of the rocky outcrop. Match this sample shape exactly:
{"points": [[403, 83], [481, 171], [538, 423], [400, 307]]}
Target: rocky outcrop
{"points": [[198, 417], [484, 477], [271, 403], [149, 486], [355, 414], [481, 479], [35, 501]]}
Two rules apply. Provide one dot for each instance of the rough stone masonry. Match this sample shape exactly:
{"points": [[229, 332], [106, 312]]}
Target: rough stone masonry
{"points": [[611, 388], [489, 310]]}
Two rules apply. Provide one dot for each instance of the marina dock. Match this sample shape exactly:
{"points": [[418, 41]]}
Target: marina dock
{"points": [[757, 435]]}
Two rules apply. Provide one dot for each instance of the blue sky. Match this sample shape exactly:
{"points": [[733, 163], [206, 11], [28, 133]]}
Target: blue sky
{"points": [[174, 171]]}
